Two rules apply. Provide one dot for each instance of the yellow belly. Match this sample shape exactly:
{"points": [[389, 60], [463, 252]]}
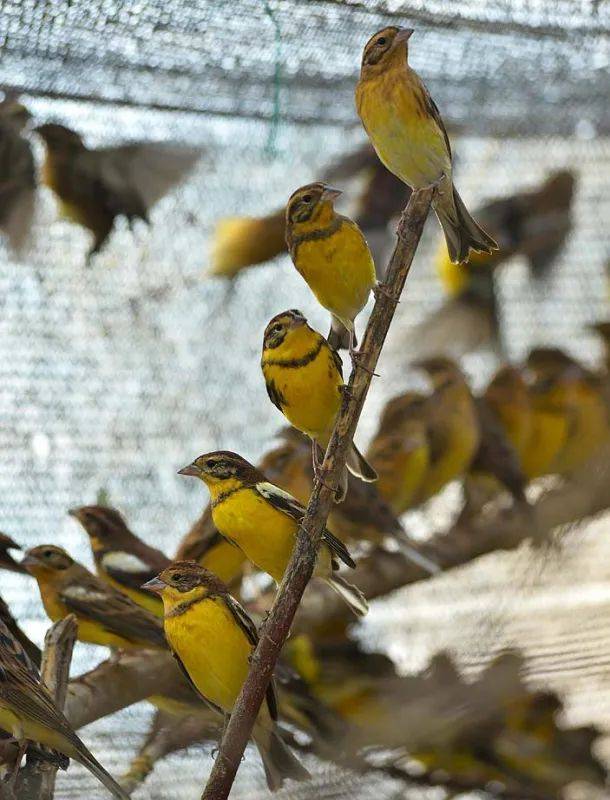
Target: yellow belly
{"points": [[461, 445], [588, 431], [213, 649], [339, 270], [401, 471], [407, 140], [266, 536], [312, 395], [547, 438]]}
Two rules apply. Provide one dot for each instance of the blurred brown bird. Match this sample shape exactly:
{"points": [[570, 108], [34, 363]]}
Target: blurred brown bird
{"points": [[17, 174], [11, 623], [452, 425], [95, 186], [121, 558], [6, 559]]}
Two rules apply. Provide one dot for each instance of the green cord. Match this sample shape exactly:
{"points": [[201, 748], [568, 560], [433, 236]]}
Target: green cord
{"points": [[271, 146]]}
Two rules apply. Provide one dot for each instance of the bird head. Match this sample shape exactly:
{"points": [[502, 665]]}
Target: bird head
{"points": [[58, 137], [185, 581], [507, 385], [222, 470], [283, 328], [440, 370], [14, 115], [103, 525], [311, 205], [387, 47], [46, 561]]}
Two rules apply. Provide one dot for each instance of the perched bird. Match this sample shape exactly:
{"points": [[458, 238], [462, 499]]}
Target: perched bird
{"points": [[406, 129], [199, 608], [564, 386], [205, 545], [105, 616], [331, 253], [6, 559], [121, 558], [263, 521], [364, 516], [508, 396], [400, 452], [242, 242], [304, 380], [452, 425], [32, 650], [95, 186], [17, 174], [28, 713]]}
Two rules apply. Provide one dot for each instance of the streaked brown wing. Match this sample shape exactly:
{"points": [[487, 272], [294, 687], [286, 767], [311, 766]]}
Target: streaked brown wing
{"points": [[93, 600]]}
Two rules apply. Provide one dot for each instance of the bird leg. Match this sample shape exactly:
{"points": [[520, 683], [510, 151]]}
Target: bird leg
{"points": [[317, 467]]}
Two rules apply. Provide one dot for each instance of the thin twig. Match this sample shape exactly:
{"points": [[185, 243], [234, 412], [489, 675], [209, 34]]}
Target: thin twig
{"points": [[302, 562], [39, 776]]}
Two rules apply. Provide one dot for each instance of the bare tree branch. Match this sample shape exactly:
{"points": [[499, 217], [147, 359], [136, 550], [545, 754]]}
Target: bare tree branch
{"points": [[302, 562]]}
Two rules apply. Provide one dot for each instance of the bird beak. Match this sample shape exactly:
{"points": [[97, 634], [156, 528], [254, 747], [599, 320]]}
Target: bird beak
{"points": [[74, 512], [190, 469], [29, 561], [154, 585], [404, 34], [331, 194]]}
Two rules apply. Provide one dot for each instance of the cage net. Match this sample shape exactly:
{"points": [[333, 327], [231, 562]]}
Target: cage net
{"points": [[117, 373]]}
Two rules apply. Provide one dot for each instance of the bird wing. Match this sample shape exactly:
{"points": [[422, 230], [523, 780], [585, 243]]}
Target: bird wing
{"points": [[287, 504], [150, 169], [91, 599], [96, 172], [130, 570], [274, 394], [496, 454], [432, 109], [249, 628]]}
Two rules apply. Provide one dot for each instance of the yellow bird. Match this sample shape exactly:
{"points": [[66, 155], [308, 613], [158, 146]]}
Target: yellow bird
{"points": [[331, 253], [213, 638], [406, 129], [121, 558], [241, 242], [263, 521], [565, 387], [507, 394], [105, 616], [400, 451], [451, 424], [29, 713], [304, 379], [211, 550]]}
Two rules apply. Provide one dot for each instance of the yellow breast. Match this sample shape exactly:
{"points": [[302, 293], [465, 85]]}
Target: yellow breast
{"points": [[392, 107], [547, 437], [213, 649], [311, 394], [224, 560], [339, 269], [265, 535]]}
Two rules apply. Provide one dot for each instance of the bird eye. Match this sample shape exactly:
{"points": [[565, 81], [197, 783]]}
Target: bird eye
{"points": [[381, 41], [178, 578], [48, 553], [277, 327], [306, 198]]}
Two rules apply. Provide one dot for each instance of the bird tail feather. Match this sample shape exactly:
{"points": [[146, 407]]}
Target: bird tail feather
{"points": [[84, 757], [350, 594], [359, 466], [339, 336], [462, 233], [278, 761]]}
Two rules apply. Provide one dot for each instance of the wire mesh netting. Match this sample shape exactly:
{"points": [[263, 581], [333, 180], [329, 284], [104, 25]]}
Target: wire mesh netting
{"points": [[116, 373]]}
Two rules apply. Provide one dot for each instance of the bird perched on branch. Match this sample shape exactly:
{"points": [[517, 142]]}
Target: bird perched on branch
{"points": [[121, 558], [263, 521], [95, 186], [304, 380], [406, 129], [331, 253], [452, 425], [199, 608], [105, 616], [241, 242], [29, 713], [17, 174]]}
